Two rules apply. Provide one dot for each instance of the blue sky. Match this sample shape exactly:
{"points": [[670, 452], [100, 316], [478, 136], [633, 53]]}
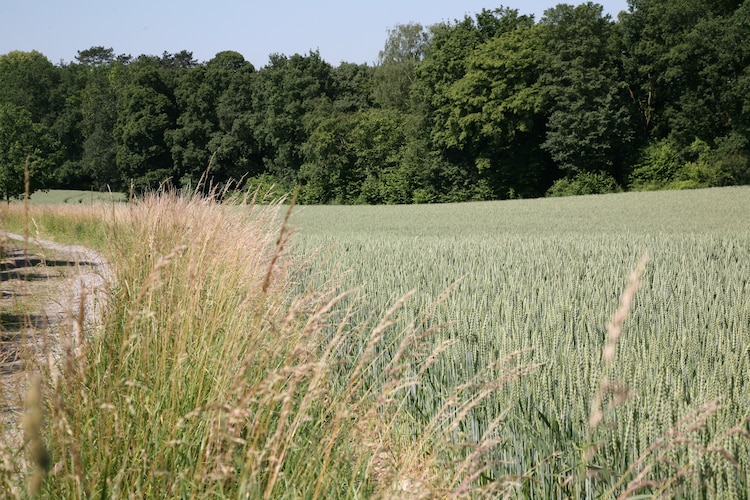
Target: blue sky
{"points": [[341, 30]]}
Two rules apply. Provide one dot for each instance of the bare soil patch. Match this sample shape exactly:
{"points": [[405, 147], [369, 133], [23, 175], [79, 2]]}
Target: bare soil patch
{"points": [[45, 287]]}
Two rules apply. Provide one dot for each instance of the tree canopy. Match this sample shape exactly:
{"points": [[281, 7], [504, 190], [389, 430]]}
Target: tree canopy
{"points": [[491, 106]]}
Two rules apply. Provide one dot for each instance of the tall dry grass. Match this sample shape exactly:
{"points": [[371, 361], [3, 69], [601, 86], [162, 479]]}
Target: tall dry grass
{"points": [[206, 378]]}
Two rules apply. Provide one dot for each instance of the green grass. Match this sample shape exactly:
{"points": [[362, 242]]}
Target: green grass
{"points": [[74, 197], [69, 224], [543, 277]]}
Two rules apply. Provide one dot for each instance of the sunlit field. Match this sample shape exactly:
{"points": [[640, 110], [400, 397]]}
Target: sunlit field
{"points": [[591, 347], [533, 284], [65, 197]]}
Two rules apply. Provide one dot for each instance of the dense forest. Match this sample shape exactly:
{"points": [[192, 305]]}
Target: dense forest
{"points": [[493, 106]]}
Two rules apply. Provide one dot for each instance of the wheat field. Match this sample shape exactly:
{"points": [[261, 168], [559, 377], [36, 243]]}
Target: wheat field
{"points": [[534, 283]]}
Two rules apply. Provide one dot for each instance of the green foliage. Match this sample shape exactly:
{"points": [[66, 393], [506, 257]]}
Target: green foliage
{"points": [[96, 56], [265, 188], [376, 147], [198, 135], [732, 160], [372, 157], [22, 143], [378, 138], [659, 165], [589, 122], [145, 111], [329, 173], [493, 106], [583, 183], [699, 165], [499, 95], [67, 131], [236, 147], [28, 80], [290, 97], [496, 111], [699, 172], [683, 60], [445, 62], [352, 87], [99, 117], [397, 62]]}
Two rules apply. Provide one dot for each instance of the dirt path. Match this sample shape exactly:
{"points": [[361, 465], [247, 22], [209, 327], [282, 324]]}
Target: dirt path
{"points": [[43, 286], [53, 277]]}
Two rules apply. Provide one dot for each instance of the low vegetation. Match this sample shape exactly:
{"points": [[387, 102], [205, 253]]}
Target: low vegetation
{"points": [[537, 281], [74, 197], [208, 378], [425, 351]]}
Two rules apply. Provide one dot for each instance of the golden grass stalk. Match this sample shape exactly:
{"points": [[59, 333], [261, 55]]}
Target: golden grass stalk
{"points": [[685, 434], [32, 430], [614, 331]]}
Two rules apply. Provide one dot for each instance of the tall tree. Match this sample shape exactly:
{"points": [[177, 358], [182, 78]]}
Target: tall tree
{"points": [[145, 111], [496, 113], [67, 131], [28, 92], [21, 141], [446, 60], [712, 57], [180, 60], [198, 135], [589, 125], [290, 97], [397, 63], [330, 172], [686, 64], [96, 56], [237, 150], [102, 75], [27, 80], [656, 55], [352, 87]]}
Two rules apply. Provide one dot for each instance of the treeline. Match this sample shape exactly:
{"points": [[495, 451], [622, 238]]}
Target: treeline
{"points": [[493, 106]]}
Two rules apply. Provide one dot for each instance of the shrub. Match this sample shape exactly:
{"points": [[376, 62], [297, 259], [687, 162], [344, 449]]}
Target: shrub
{"points": [[659, 164], [598, 182], [732, 160], [266, 186], [697, 166], [424, 195]]}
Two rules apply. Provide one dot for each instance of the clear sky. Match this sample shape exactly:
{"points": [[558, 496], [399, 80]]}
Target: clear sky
{"points": [[341, 30]]}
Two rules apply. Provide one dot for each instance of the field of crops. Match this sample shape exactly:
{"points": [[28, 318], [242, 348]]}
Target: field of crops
{"points": [[68, 196], [535, 282]]}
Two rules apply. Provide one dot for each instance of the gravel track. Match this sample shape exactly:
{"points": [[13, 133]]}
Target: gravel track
{"points": [[51, 288], [92, 274]]}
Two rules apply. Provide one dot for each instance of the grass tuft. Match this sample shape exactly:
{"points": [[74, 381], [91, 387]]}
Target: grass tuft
{"points": [[208, 378]]}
